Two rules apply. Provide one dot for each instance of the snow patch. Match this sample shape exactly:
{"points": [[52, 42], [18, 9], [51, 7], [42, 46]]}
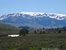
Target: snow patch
{"points": [[13, 35]]}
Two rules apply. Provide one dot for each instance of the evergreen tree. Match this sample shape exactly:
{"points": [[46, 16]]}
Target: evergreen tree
{"points": [[23, 32]]}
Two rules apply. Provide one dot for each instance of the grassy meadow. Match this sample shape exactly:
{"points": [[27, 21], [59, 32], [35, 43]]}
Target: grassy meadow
{"points": [[34, 40]]}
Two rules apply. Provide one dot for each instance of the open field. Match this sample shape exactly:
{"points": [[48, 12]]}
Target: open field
{"points": [[31, 38], [34, 41]]}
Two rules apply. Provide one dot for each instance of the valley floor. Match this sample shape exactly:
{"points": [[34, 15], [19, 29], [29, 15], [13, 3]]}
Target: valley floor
{"points": [[34, 41]]}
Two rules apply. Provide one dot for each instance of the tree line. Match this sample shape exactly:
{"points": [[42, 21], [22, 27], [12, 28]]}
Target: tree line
{"points": [[26, 30]]}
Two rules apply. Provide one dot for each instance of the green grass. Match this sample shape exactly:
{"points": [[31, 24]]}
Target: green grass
{"points": [[8, 29], [34, 41]]}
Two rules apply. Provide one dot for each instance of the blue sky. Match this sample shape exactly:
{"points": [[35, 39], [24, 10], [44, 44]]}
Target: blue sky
{"points": [[49, 6]]}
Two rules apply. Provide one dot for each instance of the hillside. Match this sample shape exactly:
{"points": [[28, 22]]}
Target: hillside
{"points": [[7, 29]]}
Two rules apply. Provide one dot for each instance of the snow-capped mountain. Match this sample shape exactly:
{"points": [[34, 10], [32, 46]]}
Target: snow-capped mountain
{"points": [[35, 19]]}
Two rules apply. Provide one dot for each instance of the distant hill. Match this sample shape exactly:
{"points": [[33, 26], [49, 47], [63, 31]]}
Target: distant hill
{"points": [[8, 29]]}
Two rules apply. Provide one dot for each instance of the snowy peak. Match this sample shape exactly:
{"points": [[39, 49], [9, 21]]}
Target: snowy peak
{"points": [[35, 19], [32, 13], [35, 14], [57, 16]]}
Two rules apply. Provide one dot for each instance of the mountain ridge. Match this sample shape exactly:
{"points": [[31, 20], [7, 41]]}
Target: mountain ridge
{"points": [[35, 19], [56, 16]]}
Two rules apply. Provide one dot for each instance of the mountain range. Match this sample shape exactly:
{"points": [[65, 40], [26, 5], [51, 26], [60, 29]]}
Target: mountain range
{"points": [[35, 19]]}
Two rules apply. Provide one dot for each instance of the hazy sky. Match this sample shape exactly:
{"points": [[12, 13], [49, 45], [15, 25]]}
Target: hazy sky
{"points": [[50, 6]]}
